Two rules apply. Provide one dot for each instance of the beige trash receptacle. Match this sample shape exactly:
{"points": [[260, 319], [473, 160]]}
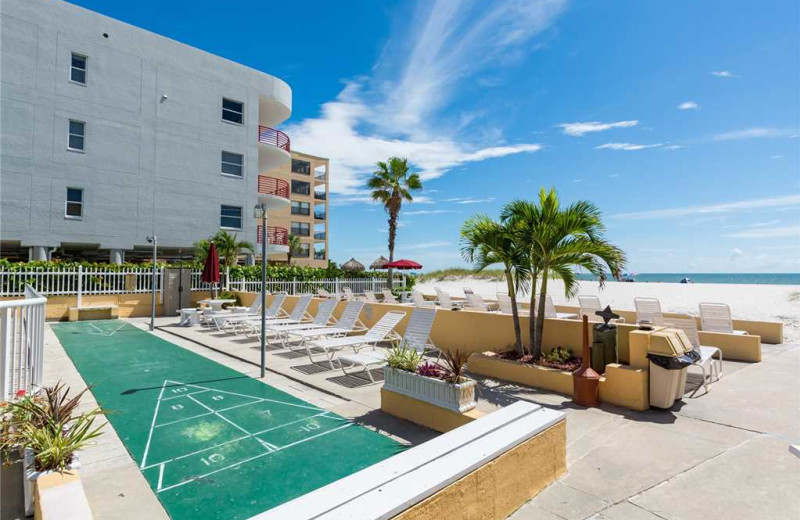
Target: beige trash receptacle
{"points": [[668, 366]]}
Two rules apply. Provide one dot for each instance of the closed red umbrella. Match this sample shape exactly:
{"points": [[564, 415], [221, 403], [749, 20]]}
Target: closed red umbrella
{"points": [[211, 267], [402, 264]]}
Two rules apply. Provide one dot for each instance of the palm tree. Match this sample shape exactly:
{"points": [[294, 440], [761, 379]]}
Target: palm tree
{"points": [[229, 247], [558, 240], [391, 184], [485, 242], [294, 247]]}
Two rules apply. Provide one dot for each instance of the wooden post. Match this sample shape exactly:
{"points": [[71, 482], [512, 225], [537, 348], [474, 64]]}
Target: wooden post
{"points": [[585, 381]]}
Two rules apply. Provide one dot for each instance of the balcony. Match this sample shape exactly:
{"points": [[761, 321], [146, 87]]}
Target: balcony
{"points": [[319, 216], [276, 138], [273, 186], [319, 235], [320, 177], [320, 195], [277, 239]]}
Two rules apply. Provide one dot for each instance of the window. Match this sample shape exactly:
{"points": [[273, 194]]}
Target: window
{"points": [[74, 204], [77, 133], [301, 208], [232, 164], [299, 166], [301, 229], [230, 217], [232, 111], [301, 187], [304, 251], [77, 69]]}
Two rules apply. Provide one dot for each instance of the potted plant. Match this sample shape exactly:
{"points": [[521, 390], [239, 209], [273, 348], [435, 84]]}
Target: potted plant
{"points": [[442, 385], [51, 433], [12, 473]]}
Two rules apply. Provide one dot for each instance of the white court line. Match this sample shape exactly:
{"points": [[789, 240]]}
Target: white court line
{"points": [[186, 395], [218, 415], [106, 333], [235, 440], [206, 414], [253, 458], [160, 476], [248, 396], [152, 425]]}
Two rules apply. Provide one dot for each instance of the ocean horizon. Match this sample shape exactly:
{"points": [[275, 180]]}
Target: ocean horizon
{"points": [[731, 278]]}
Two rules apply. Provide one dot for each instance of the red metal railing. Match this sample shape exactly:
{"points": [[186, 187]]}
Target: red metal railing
{"points": [[267, 135], [275, 235], [273, 186]]}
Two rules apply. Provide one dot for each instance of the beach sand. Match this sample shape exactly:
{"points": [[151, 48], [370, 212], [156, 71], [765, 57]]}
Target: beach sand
{"points": [[755, 302]]}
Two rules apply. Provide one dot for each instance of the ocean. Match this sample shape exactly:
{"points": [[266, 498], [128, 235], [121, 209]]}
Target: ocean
{"points": [[735, 278]]}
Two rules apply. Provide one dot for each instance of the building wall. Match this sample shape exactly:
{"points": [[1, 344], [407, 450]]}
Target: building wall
{"points": [[154, 132], [318, 183]]}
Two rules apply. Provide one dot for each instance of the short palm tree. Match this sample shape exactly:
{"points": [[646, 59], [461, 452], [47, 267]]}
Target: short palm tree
{"points": [[485, 242], [391, 184], [228, 247], [558, 240], [294, 248]]}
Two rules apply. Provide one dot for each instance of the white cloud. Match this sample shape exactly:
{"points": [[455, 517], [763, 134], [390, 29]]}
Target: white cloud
{"points": [[736, 253], [689, 105], [776, 157], [469, 200], [755, 132], [396, 109], [628, 147], [580, 129], [727, 207], [776, 232], [723, 74], [614, 175], [429, 212]]}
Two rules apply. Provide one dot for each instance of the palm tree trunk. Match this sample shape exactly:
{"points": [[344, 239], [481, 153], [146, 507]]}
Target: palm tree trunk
{"points": [[537, 346], [514, 312], [392, 235], [532, 318]]}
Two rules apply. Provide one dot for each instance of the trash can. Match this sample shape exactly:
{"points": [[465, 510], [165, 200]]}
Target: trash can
{"points": [[669, 362], [604, 347]]}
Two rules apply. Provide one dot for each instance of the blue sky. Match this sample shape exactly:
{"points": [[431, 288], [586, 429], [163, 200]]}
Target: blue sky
{"points": [[679, 119]]}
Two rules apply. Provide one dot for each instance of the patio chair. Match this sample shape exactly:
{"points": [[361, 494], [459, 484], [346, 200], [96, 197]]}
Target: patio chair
{"points": [[321, 320], [688, 324], [506, 306], [347, 293], [551, 312], [417, 336], [298, 315], [419, 300], [388, 297], [322, 293], [444, 300], [648, 309], [369, 297], [468, 290], [383, 330], [589, 302], [594, 318], [346, 324], [275, 310], [476, 303], [214, 318], [716, 317]]}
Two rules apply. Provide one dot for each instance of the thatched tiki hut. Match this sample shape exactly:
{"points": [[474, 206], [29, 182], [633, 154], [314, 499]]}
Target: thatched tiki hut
{"points": [[353, 266], [379, 263]]}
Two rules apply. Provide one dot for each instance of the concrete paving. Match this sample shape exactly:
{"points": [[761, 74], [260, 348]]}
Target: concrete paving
{"points": [[724, 453]]}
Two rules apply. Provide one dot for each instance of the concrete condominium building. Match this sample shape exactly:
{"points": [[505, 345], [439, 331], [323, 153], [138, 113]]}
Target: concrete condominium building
{"points": [[111, 133]]}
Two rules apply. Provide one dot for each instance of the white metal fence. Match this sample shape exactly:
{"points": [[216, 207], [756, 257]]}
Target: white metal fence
{"points": [[21, 343], [332, 285]]}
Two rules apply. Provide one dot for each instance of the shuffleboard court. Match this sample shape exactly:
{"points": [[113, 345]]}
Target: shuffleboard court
{"points": [[211, 442]]}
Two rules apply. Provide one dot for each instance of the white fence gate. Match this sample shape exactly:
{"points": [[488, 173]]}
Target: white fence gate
{"points": [[21, 343]]}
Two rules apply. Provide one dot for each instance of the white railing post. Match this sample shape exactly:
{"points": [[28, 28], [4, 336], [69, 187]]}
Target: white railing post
{"points": [[336, 286], [294, 285], [161, 285], [80, 284], [6, 347]]}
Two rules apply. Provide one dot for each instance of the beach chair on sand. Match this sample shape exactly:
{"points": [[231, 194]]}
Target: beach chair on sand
{"points": [[388, 297], [416, 336], [590, 303], [710, 357], [648, 309], [476, 303], [468, 290], [298, 315], [275, 310], [419, 300], [346, 324], [506, 306], [716, 317], [321, 320], [383, 330], [551, 312], [444, 300]]}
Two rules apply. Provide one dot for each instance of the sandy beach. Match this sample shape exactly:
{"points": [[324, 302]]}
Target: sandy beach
{"points": [[757, 302]]}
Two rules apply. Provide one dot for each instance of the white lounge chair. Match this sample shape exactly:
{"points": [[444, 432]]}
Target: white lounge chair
{"points": [[417, 336], [322, 293], [346, 324], [589, 302], [388, 297], [468, 290], [444, 300], [419, 300], [369, 297], [716, 317], [476, 303], [321, 319], [551, 312], [506, 306], [383, 330], [275, 310], [298, 315], [648, 309], [347, 293], [707, 360]]}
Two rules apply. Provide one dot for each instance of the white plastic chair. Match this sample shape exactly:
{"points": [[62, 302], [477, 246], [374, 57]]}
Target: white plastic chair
{"points": [[476, 303], [348, 293], [648, 309], [298, 315], [444, 300], [275, 310], [551, 312], [507, 307], [419, 300], [321, 320], [369, 297], [388, 297], [347, 323], [688, 324], [716, 317], [590, 302], [468, 290]]}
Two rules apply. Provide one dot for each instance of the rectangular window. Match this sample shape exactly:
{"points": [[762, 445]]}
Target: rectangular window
{"points": [[304, 252], [301, 187], [301, 229], [77, 69], [230, 217], [232, 164], [232, 111], [74, 204], [299, 166], [77, 135], [301, 208]]}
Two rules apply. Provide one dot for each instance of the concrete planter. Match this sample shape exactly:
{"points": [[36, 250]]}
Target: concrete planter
{"points": [[12, 484], [456, 397], [489, 364], [31, 476]]}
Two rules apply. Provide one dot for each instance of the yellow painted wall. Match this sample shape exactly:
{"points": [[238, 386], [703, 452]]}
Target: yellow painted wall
{"points": [[625, 386], [497, 489], [426, 414], [490, 365]]}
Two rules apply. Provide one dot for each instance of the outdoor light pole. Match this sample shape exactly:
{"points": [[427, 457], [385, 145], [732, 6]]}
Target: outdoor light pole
{"points": [[153, 240], [261, 212]]}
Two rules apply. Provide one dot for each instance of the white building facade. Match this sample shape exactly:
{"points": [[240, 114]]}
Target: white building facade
{"points": [[111, 133]]}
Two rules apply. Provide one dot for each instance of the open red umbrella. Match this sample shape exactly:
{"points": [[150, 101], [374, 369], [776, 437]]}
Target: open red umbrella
{"points": [[402, 264], [211, 267]]}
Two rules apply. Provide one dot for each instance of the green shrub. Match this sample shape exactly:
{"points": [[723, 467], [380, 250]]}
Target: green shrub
{"points": [[403, 358], [558, 355]]}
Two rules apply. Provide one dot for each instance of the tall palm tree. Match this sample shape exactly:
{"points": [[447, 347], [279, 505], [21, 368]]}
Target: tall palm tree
{"points": [[391, 184], [294, 247], [561, 239], [229, 247], [485, 242]]}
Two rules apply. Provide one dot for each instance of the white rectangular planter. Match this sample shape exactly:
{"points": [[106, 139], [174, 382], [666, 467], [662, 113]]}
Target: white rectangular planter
{"points": [[457, 397]]}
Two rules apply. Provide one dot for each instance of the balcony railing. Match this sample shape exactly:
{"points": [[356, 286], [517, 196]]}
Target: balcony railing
{"points": [[320, 176], [319, 255], [276, 236], [273, 186], [320, 195], [319, 235], [319, 216], [270, 136]]}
